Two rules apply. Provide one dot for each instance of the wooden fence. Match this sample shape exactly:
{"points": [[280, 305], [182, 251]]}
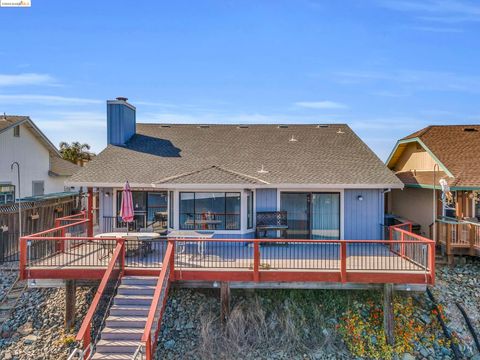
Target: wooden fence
{"points": [[36, 216]]}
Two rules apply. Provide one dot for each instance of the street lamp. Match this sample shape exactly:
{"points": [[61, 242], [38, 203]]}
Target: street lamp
{"points": [[19, 203]]}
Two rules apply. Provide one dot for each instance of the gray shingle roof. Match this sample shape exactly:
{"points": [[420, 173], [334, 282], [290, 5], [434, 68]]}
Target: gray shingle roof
{"points": [[61, 167], [7, 121], [172, 154]]}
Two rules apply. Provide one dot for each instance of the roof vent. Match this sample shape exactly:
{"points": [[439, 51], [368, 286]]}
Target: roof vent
{"points": [[242, 126], [262, 170], [283, 126], [164, 126], [470, 129], [204, 126], [322, 126], [340, 131], [293, 139]]}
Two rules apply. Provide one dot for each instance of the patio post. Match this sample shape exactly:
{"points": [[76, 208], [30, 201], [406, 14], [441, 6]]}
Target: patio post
{"points": [[388, 315]]}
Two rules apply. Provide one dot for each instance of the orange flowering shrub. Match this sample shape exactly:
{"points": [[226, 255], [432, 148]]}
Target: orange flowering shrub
{"points": [[363, 333]]}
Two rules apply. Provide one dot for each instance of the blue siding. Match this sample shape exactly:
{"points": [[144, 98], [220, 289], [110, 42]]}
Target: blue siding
{"points": [[250, 235], [363, 219], [120, 123], [266, 199]]}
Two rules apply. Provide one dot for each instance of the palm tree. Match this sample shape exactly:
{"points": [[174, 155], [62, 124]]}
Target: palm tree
{"points": [[75, 152]]}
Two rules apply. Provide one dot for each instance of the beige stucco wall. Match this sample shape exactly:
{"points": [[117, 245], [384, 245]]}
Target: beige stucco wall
{"points": [[413, 204]]}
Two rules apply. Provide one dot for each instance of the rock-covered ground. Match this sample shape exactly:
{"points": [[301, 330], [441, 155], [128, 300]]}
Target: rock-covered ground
{"points": [[280, 324], [460, 283], [7, 278], [262, 325], [274, 324], [35, 330]]}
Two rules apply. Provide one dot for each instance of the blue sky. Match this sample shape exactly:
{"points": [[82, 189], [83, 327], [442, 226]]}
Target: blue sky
{"points": [[385, 67]]}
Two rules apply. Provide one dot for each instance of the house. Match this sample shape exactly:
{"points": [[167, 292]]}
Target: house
{"points": [[213, 190], [218, 177], [42, 170], [424, 161]]}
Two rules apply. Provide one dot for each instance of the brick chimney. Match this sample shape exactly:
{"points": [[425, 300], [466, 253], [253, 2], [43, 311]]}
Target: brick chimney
{"points": [[121, 121]]}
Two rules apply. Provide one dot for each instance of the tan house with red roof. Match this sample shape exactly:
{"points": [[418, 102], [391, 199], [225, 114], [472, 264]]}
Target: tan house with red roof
{"points": [[425, 160]]}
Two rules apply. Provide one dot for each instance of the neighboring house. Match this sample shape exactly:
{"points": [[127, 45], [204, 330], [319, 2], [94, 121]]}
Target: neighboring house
{"points": [[423, 159], [42, 170], [217, 177]]}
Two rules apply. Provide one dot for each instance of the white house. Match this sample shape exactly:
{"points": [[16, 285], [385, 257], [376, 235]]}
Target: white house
{"points": [[42, 170]]}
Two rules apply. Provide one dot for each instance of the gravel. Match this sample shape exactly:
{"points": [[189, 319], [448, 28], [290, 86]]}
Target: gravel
{"points": [[460, 283], [36, 328]]}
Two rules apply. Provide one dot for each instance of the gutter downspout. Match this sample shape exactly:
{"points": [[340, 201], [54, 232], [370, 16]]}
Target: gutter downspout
{"points": [[385, 191]]}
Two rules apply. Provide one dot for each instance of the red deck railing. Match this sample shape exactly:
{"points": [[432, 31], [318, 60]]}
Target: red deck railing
{"points": [[405, 258], [102, 301], [155, 314]]}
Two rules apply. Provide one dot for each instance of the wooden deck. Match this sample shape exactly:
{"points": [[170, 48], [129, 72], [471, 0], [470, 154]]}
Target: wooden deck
{"points": [[91, 259], [404, 259]]}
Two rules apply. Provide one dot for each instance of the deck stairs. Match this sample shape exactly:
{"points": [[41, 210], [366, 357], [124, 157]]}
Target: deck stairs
{"points": [[126, 322]]}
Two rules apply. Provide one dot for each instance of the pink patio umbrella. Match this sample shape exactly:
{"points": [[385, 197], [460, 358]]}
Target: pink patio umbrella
{"points": [[126, 210]]}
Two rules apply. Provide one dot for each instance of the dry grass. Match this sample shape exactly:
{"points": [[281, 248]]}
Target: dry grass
{"points": [[268, 327]]}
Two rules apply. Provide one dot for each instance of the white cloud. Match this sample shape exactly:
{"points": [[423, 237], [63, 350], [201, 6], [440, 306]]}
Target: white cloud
{"points": [[415, 80], [436, 29], [27, 79], [50, 100], [325, 104], [446, 11], [234, 118]]}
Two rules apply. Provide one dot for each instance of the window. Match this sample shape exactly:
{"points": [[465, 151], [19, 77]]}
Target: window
{"points": [[38, 188], [148, 207], [170, 213], [209, 211], [7, 194], [16, 131], [249, 209]]}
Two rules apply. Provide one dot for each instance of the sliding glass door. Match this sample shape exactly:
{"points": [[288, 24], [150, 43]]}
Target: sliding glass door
{"points": [[325, 216], [296, 205], [312, 215]]}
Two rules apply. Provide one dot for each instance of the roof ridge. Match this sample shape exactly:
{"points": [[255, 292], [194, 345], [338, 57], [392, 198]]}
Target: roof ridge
{"points": [[182, 175], [241, 174], [231, 172]]}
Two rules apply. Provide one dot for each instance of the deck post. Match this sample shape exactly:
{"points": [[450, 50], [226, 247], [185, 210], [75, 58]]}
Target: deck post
{"points": [[172, 260], [90, 212], [388, 316], [471, 242], [23, 258], [256, 261], [343, 262], [70, 299], [449, 244], [224, 301]]}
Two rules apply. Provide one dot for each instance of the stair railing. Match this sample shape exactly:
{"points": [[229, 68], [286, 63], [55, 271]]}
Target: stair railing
{"points": [[102, 301], [155, 314], [139, 353], [76, 354]]}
